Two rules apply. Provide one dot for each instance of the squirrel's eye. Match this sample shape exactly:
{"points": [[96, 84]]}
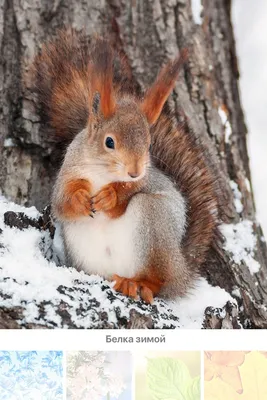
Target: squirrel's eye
{"points": [[109, 143]]}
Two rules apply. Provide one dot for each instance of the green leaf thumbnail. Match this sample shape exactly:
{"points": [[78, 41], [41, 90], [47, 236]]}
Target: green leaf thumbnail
{"points": [[169, 379]]}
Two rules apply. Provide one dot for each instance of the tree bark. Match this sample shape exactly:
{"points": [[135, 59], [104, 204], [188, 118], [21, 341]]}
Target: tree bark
{"points": [[148, 33]]}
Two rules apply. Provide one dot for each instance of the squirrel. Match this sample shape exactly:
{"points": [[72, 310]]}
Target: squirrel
{"points": [[134, 194]]}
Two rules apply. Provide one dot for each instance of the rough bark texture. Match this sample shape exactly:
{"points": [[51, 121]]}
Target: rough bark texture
{"points": [[147, 33]]}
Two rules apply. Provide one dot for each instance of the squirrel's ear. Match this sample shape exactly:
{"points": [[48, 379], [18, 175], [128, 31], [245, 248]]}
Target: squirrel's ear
{"points": [[158, 93], [94, 116], [102, 71]]}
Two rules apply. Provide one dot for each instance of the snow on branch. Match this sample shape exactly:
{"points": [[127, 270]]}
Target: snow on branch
{"points": [[36, 289]]}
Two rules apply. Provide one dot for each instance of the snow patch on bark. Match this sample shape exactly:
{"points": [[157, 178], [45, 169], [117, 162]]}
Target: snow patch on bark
{"points": [[237, 196], [196, 11], [241, 243], [226, 124], [248, 185], [8, 142]]}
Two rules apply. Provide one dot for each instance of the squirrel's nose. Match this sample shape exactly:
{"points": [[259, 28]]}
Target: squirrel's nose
{"points": [[133, 174]]}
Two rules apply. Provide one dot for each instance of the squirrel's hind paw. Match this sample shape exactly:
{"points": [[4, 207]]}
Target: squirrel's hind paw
{"points": [[131, 288], [147, 294]]}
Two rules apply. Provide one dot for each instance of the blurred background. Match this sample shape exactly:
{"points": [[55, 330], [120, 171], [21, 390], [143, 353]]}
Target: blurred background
{"points": [[250, 25]]}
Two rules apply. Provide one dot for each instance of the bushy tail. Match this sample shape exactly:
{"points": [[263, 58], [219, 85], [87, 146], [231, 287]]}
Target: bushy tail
{"points": [[176, 152]]}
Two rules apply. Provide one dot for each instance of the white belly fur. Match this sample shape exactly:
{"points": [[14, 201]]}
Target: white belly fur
{"points": [[104, 246]]}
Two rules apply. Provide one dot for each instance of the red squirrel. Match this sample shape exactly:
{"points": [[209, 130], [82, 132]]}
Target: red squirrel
{"points": [[134, 195]]}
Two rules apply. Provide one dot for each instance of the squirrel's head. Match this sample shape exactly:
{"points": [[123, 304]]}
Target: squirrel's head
{"points": [[122, 124], [123, 141]]}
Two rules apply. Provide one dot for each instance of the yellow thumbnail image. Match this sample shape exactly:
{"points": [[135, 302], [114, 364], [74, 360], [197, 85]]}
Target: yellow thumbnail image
{"points": [[235, 375], [167, 375]]}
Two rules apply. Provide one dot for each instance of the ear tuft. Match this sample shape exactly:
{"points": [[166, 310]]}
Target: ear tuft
{"points": [[96, 103], [102, 76], [159, 92]]}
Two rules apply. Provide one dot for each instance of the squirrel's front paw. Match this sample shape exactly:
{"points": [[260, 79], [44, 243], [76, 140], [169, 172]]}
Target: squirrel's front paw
{"points": [[81, 203], [131, 288], [77, 196], [105, 199]]}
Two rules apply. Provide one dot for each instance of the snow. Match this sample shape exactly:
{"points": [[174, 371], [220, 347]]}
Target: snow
{"points": [[248, 185], [226, 124], [36, 283], [191, 308], [9, 142], [241, 242], [236, 292], [237, 196], [196, 11], [249, 21]]}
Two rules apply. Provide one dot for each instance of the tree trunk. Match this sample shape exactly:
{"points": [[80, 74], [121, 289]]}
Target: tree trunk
{"points": [[147, 33]]}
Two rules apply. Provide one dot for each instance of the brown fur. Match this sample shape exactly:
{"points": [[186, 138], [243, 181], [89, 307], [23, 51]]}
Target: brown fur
{"points": [[114, 198], [61, 77], [177, 153], [77, 197], [64, 74], [147, 286], [158, 93], [149, 282], [105, 199], [102, 76]]}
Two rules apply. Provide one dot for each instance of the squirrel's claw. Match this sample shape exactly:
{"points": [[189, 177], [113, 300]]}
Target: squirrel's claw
{"points": [[131, 288], [92, 212]]}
